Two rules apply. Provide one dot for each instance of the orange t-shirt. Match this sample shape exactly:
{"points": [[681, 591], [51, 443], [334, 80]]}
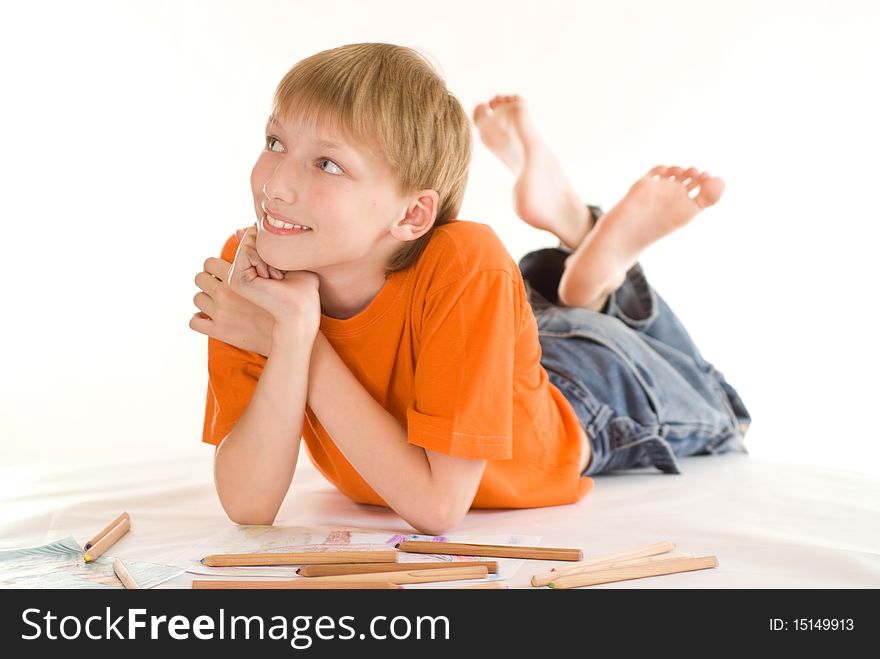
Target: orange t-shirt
{"points": [[450, 348]]}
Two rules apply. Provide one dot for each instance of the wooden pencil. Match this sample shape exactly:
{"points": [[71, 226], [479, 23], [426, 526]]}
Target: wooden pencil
{"points": [[410, 576], [106, 530], [108, 540], [638, 552], [652, 569], [296, 584], [483, 585], [495, 551], [546, 577], [124, 575], [299, 558], [360, 568]]}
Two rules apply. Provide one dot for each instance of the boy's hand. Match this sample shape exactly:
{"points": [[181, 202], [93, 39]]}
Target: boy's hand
{"points": [[227, 316], [291, 297]]}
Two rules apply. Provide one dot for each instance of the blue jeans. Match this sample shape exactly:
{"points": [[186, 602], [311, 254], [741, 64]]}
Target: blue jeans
{"points": [[637, 382]]}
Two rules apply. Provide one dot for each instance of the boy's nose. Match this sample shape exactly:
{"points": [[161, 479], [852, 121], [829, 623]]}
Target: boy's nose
{"points": [[281, 185]]}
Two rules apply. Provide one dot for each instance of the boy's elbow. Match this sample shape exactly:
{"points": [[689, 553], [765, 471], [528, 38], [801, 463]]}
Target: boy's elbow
{"points": [[252, 520], [439, 520], [250, 516]]}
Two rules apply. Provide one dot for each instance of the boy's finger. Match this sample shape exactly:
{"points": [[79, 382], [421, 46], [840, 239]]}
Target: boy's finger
{"points": [[240, 232], [200, 323], [217, 267]]}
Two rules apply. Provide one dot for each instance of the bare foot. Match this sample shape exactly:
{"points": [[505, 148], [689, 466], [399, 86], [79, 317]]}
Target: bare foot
{"points": [[663, 200], [542, 196]]}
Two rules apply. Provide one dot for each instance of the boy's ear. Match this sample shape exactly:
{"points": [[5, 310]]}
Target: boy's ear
{"points": [[419, 218]]}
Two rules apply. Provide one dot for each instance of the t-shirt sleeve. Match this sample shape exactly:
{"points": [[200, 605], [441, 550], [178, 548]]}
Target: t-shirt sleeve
{"points": [[232, 377], [463, 403]]}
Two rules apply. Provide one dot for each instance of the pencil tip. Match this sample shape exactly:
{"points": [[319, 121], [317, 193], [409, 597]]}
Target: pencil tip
{"points": [[397, 546], [86, 557], [551, 585]]}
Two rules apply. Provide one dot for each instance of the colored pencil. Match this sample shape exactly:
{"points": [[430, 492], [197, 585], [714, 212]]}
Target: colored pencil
{"points": [[638, 552], [411, 576], [108, 540], [484, 585], [124, 575], [545, 578], [652, 569], [495, 551], [106, 530], [296, 584], [360, 568], [300, 558]]}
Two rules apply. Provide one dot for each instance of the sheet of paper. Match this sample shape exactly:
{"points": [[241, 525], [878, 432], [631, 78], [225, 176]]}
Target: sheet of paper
{"points": [[248, 539], [60, 564]]}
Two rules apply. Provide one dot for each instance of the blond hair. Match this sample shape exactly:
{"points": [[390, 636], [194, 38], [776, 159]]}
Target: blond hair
{"points": [[390, 96]]}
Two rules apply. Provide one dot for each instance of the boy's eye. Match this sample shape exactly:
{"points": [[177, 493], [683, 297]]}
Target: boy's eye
{"points": [[337, 169], [269, 141]]}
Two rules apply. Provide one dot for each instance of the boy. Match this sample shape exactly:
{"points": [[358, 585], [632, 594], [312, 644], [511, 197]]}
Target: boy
{"points": [[402, 343]]}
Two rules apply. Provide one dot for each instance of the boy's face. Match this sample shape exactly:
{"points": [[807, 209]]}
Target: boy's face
{"points": [[345, 193]]}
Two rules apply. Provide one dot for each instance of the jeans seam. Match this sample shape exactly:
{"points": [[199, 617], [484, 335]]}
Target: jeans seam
{"points": [[636, 277]]}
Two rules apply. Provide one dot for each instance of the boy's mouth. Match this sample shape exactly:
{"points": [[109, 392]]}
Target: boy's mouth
{"points": [[281, 228]]}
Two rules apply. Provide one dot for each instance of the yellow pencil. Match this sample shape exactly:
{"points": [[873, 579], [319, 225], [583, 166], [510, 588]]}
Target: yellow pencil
{"points": [[106, 530], [108, 540]]}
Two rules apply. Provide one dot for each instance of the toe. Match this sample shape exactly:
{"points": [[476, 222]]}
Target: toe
{"points": [[480, 112], [659, 170], [711, 188], [675, 172], [689, 177]]}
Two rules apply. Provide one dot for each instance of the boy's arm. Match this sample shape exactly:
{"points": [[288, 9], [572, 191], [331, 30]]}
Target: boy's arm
{"points": [[255, 462], [430, 490]]}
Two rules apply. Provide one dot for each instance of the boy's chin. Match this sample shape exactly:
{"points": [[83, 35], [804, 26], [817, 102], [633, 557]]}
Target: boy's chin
{"points": [[280, 261]]}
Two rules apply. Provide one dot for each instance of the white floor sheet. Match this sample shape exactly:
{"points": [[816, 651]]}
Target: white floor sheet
{"points": [[770, 525]]}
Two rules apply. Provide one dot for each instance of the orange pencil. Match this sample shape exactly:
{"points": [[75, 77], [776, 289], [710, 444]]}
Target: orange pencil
{"points": [[299, 558], [495, 551], [360, 568], [408, 576]]}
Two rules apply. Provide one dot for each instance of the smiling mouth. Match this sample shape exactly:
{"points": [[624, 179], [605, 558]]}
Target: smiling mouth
{"points": [[281, 224]]}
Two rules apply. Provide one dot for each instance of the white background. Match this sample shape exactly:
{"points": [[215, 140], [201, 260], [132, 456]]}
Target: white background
{"points": [[129, 130]]}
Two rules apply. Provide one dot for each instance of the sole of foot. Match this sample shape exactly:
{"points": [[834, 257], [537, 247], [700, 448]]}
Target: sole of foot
{"points": [[662, 201], [542, 195]]}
